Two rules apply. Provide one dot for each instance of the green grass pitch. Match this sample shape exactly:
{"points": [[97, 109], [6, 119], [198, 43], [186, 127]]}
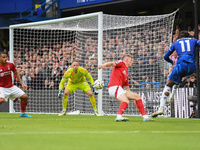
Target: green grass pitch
{"points": [[87, 132]]}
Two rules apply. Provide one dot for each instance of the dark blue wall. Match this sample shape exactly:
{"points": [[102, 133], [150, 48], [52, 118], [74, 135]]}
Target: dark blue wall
{"points": [[14, 6], [64, 4]]}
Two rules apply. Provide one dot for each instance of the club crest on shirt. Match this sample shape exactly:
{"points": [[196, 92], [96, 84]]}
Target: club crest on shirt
{"points": [[124, 72]]}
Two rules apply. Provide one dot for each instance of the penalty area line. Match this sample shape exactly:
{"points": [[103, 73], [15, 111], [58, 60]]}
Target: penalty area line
{"points": [[99, 132]]}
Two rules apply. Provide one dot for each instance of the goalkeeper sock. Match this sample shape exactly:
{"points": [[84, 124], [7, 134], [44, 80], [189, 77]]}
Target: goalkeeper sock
{"points": [[140, 107], [23, 106], [64, 102], [93, 102], [122, 108]]}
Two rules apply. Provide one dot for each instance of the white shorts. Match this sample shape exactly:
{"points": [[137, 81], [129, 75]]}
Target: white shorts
{"points": [[116, 91], [11, 93]]}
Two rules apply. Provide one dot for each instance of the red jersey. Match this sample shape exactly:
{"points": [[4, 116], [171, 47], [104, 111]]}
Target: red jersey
{"points": [[119, 75], [5, 74]]}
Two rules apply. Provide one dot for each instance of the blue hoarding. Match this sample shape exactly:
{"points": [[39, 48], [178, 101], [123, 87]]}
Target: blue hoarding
{"points": [[14, 6], [64, 4]]}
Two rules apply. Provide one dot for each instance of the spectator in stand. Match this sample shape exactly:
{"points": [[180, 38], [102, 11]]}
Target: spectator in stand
{"points": [[148, 86], [139, 71], [153, 70], [33, 82], [183, 82], [192, 82], [46, 85], [58, 76], [25, 77], [164, 77], [94, 71], [39, 78], [43, 70], [52, 85]]}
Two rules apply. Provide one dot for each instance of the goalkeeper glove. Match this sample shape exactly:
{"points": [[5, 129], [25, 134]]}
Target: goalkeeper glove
{"points": [[94, 90], [60, 94]]}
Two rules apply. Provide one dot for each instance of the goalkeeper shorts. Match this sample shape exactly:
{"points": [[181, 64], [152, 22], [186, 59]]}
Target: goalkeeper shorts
{"points": [[84, 86]]}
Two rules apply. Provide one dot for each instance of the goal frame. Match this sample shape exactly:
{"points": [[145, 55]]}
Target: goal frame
{"points": [[100, 44]]}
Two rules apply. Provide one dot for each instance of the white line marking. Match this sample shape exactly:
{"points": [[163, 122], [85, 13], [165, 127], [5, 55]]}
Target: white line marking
{"points": [[101, 132]]}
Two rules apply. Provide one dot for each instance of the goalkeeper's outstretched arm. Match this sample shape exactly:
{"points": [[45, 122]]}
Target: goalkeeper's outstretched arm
{"points": [[88, 75]]}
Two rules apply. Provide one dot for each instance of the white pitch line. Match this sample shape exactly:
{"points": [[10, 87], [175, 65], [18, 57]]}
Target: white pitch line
{"points": [[100, 132]]}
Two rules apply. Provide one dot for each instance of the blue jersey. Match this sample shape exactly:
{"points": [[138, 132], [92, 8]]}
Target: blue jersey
{"points": [[185, 64], [184, 47]]}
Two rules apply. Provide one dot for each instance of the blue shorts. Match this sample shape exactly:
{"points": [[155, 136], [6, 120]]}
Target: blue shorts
{"points": [[181, 70]]}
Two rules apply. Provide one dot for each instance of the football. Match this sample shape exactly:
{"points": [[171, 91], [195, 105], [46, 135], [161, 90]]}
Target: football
{"points": [[99, 84]]}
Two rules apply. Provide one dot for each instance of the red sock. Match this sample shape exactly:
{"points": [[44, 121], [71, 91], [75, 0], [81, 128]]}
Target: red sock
{"points": [[122, 107], [23, 106], [140, 106]]}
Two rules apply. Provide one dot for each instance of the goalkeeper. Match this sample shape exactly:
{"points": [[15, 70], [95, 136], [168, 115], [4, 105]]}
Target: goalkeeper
{"points": [[76, 80]]}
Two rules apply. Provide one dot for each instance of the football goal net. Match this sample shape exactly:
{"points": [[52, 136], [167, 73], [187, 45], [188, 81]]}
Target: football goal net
{"points": [[42, 52]]}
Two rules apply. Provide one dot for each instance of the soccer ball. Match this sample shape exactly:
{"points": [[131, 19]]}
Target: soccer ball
{"points": [[99, 84]]}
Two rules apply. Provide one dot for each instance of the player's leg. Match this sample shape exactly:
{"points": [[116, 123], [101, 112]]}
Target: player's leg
{"points": [[86, 88], [165, 94], [93, 101], [2, 100], [174, 78], [23, 104], [174, 89], [120, 94], [15, 93], [136, 98], [122, 107], [65, 100], [2, 96]]}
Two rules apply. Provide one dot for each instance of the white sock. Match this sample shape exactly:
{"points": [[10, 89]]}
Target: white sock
{"points": [[145, 116], [118, 116], [163, 98], [174, 88]]}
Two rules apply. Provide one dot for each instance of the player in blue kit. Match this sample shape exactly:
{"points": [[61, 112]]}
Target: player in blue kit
{"points": [[185, 65]]}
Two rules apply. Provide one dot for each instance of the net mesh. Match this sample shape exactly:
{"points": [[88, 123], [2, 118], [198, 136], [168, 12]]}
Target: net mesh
{"points": [[43, 53]]}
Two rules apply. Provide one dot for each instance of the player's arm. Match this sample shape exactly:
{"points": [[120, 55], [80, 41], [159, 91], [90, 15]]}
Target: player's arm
{"points": [[166, 56], [64, 79], [16, 74], [198, 42], [108, 64], [88, 75]]}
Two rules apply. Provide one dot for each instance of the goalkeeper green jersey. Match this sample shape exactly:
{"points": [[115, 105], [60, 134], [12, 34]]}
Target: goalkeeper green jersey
{"points": [[76, 77]]}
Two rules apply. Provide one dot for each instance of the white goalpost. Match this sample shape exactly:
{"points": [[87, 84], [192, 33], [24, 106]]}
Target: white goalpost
{"points": [[42, 51]]}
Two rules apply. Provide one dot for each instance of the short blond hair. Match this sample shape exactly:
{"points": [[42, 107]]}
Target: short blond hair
{"points": [[126, 55]]}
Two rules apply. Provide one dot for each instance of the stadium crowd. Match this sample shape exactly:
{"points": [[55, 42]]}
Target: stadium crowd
{"points": [[42, 67]]}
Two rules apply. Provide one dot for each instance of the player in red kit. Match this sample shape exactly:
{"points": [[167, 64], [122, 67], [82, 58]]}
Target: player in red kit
{"points": [[7, 89], [119, 87]]}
